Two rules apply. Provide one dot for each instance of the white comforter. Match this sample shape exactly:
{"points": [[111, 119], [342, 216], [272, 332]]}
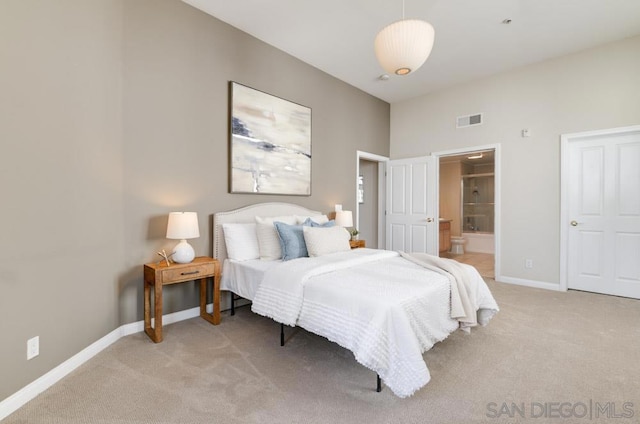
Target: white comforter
{"points": [[384, 308]]}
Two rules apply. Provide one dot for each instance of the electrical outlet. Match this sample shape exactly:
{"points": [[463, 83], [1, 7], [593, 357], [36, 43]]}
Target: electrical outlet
{"points": [[33, 347], [528, 263]]}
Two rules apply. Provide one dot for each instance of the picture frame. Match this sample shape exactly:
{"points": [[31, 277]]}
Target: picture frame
{"points": [[269, 144], [360, 189]]}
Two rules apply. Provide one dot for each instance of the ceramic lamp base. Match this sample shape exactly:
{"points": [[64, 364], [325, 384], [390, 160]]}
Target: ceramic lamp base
{"points": [[183, 253]]}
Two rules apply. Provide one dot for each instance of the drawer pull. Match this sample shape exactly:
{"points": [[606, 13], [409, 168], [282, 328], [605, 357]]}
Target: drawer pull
{"points": [[190, 273]]}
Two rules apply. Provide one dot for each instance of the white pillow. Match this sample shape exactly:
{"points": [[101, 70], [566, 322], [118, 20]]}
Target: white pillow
{"points": [[318, 219], [268, 241], [324, 240], [241, 241]]}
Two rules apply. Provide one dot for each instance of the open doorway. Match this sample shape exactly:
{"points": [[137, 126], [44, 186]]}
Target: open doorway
{"points": [[468, 207], [370, 198]]}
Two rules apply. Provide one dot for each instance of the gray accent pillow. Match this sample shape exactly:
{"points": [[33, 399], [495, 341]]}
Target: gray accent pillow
{"points": [[291, 238], [311, 223], [291, 241]]}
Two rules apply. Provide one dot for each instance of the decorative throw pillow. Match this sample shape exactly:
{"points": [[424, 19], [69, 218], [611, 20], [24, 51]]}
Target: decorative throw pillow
{"points": [[268, 240], [318, 219], [311, 223], [241, 241], [322, 241], [291, 241]]}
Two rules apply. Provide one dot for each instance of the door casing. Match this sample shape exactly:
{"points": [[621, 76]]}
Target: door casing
{"points": [[380, 243], [497, 197]]}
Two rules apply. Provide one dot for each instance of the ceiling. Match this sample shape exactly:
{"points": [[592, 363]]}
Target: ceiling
{"points": [[471, 41]]}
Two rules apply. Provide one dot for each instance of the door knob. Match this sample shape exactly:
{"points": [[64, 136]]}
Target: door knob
{"points": [[429, 219], [574, 223]]}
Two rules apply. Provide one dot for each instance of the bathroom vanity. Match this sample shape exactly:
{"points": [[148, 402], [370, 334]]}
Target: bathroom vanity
{"points": [[445, 235]]}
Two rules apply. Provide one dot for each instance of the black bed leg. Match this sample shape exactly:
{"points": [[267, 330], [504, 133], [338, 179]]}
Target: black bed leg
{"points": [[379, 383], [281, 334], [233, 304]]}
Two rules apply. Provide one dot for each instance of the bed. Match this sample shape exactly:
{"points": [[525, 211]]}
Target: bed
{"points": [[388, 308]]}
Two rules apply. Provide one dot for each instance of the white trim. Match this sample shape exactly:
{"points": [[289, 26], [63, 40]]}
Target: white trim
{"points": [[565, 140], [11, 404], [436, 175], [382, 204], [497, 225], [464, 150], [381, 193], [529, 283], [33, 389], [564, 206], [370, 156], [497, 186]]}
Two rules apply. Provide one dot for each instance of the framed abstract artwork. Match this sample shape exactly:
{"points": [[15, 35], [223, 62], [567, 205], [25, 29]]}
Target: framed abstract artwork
{"points": [[270, 144]]}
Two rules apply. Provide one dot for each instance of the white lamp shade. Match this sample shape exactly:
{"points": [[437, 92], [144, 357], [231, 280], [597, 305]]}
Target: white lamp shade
{"points": [[402, 47], [183, 225], [344, 219]]}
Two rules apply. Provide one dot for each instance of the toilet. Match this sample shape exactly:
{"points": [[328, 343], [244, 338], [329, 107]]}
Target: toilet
{"points": [[457, 245]]}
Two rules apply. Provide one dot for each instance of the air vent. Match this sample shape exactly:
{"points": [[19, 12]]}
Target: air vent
{"points": [[469, 120]]}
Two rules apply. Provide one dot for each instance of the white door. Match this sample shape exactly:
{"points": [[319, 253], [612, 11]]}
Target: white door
{"points": [[603, 211], [411, 209]]}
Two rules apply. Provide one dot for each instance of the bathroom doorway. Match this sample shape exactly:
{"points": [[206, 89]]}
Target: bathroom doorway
{"points": [[467, 203]]}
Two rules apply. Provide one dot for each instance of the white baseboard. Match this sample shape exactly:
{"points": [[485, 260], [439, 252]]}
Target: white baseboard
{"points": [[529, 283], [11, 404]]}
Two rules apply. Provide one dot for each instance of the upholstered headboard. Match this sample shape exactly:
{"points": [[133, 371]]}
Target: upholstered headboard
{"points": [[247, 214]]}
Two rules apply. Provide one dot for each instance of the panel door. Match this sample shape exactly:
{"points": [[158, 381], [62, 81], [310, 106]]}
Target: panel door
{"points": [[604, 211], [411, 210]]}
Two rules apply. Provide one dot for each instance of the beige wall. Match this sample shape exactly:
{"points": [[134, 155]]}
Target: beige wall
{"points": [[114, 113], [594, 89], [61, 168]]}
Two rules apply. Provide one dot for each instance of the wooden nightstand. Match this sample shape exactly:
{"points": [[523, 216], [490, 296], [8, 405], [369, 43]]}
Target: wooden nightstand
{"points": [[158, 275], [356, 244]]}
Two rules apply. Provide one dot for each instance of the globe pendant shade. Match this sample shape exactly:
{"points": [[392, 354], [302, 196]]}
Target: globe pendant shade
{"points": [[402, 47]]}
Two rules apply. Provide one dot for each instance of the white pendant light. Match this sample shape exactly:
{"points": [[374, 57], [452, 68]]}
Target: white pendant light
{"points": [[403, 46]]}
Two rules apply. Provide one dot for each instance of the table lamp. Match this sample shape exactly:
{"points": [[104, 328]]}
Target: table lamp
{"points": [[344, 218], [183, 226]]}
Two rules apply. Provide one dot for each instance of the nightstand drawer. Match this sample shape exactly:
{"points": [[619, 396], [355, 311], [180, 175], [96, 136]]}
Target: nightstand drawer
{"points": [[186, 273]]}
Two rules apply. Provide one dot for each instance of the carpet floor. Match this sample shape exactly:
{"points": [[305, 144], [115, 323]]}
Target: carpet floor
{"points": [[548, 356]]}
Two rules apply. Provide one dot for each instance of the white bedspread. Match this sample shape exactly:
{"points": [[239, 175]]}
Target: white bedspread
{"points": [[384, 308], [243, 277], [471, 300], [281, 291]]}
